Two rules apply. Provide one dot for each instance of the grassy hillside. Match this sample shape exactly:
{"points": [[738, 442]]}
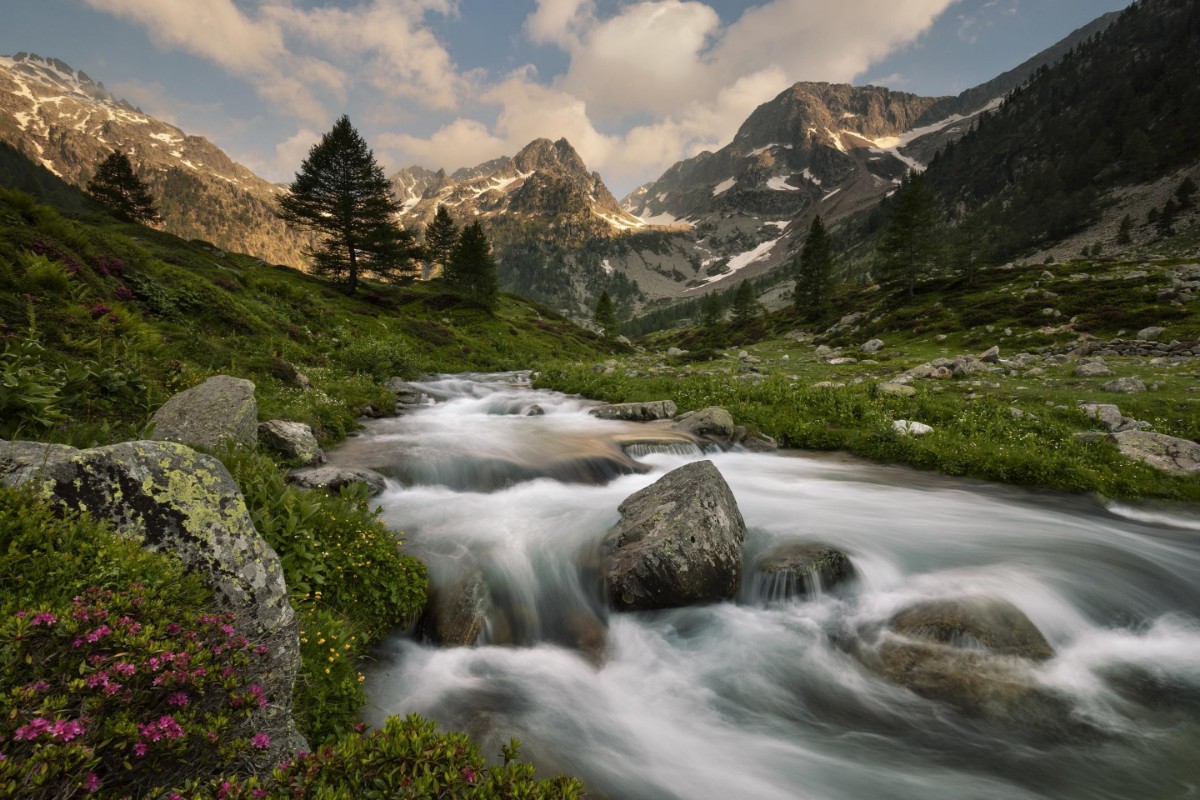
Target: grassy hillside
{"points": [[101, 322]]}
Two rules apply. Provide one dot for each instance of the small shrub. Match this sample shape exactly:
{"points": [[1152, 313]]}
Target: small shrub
{"points": [[379, 357]]}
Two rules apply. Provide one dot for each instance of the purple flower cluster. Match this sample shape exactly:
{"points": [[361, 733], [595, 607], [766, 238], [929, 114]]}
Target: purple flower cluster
{"points": [[62, 729]]}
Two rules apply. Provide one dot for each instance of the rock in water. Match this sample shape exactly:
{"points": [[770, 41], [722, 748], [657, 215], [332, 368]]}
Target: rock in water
{"points": [[174, 499], [989, 622], [455, 614], [711, 423], [636, 412], [801, 570], [1168, 453], [219, 410], [334, 478], [679, 542], [291, 440]]}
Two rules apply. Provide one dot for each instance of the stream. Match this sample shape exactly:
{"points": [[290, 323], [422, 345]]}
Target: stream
{"points": [[759, 698]]}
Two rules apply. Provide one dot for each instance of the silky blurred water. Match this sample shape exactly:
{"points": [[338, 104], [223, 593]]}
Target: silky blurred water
{"points": [[759, 699]]}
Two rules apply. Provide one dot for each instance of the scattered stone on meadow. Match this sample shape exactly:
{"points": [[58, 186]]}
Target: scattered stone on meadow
{"points": [[897, 389], [1093, 369], [1111, 418], [872, 345], [825, 351], [293, 440], [841, 361], [636, 412], [675, 352], [1090, 436], [990, 356], [1078, 277], [1126, 385], [785, 358], [1167, 453], [798, 336], [220, 410], [828, 385], [941, 337], [906, 427], [624, 340], [1021, 414], [678, 542], [1150, 334]]}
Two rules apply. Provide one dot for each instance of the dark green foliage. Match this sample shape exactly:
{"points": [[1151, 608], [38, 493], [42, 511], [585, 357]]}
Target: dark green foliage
{"points": [[441, 235], [911, 245], [472, 270], [606, 317], [118, 188], [815, 271], [745, 304], [342, 195], [1185, 192], [1125, 231]]}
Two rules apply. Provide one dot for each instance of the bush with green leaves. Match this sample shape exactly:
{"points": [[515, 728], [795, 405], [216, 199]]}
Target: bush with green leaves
{"points": [[378, 356]]}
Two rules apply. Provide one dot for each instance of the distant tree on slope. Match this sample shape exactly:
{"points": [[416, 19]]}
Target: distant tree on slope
{"points": [[745, 304], [911, 246], [116, 186], [441, 234], [606, 317], [471, 270], [342, 194], [815, 270]]}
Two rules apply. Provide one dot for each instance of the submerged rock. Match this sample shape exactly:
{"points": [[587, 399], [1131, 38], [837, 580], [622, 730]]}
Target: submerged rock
{"points": [[636, 412], [679, 542], [173, 499], [801, 569], [222, 409], [455, 614]]}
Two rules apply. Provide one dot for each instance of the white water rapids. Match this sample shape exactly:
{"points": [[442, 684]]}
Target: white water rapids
{"points": [[750, 699]]}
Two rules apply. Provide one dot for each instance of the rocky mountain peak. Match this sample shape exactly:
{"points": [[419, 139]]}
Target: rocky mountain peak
{"points": [[543, 154]]}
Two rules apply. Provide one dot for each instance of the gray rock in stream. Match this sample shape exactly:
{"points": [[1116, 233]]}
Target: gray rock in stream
{"points": [[455, 614], [679, 542], [707, 423], [636, 412], [334, 478], [801, 569]]}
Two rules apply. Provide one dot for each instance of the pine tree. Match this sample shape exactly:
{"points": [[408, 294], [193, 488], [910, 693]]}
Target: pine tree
{"points": [[606, 317], [341, 194], [471, 270], [745, 304], [910, 246], [714, 312], [1183, 194], [970, 244], [118, 188], [815, 270], [441, 234], [1125, 232]]}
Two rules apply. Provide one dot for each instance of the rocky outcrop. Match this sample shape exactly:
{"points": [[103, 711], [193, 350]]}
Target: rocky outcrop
{"points": [[678, 542], [455, 614], [292, 440], [174, 499], [333, 478], [707, 423], [1111, 418], [636, 412], [802, 569], [1167, 453], [222, 409]]}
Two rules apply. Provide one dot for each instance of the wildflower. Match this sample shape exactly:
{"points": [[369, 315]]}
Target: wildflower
{"points": [[177, 699], [139, 749], [92, 782], [260, 740], [43, 618]]}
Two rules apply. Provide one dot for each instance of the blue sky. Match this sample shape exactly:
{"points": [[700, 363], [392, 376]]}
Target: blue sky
{"points": [[634, 86]]}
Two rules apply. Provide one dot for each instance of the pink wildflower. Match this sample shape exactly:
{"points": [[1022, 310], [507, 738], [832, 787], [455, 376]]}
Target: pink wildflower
{"points": [[92, 782], [261, 741], [177, 699]]}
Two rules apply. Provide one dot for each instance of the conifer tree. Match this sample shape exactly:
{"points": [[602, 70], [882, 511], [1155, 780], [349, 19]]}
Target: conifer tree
{"points": [[441, 234], [606, 317], [471, 270], [116, 186], [910, 246], [745, 304], [1125, 231], [342, 195], [815, 270], [714, 312]]}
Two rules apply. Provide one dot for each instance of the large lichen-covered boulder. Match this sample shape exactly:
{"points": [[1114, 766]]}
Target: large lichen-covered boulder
{"points": [[222, 409], [800, 569], [636, 412], [293, 440], [679, 542], [176, 500], [1167, 453], [976, 654]]}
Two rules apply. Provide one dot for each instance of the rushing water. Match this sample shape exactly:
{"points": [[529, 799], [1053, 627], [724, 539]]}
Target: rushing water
{"points": [[760, 699]]}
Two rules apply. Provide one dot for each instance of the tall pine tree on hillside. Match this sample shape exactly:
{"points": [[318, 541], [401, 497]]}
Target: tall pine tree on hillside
{"points": [[118, 188], [471, 270], [342, 195], [606, 317], [815, 270], [745, 304], [441, 234], [911, 247]]}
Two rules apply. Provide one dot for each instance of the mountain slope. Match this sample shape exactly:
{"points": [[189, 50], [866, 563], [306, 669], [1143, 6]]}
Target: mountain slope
{"points": [[63, 120]]}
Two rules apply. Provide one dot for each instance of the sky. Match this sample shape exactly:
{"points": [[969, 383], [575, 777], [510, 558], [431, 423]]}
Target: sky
{"points": [[634, 86]]}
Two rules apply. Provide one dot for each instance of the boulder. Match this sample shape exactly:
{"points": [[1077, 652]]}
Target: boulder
{"points": [[405, 392], [990, 356], [1111, 418], [293, 440], [675, 352], [222, 409], [173, 499], [841, 361], [455, 614], [801, 570], [711, 423], [825, 351], [534, 411], [334, 478], [678, 542], [873, 346], [1150, 334], [906, 427], [754, 441], [967, 365], [1168, 453], [1093, 369], [898, 389], [636, 412], [288, 373], [1124, 386]]}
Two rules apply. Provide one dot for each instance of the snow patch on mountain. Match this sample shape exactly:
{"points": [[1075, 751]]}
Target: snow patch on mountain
{"points": [[779, 184], [724, 186]]}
